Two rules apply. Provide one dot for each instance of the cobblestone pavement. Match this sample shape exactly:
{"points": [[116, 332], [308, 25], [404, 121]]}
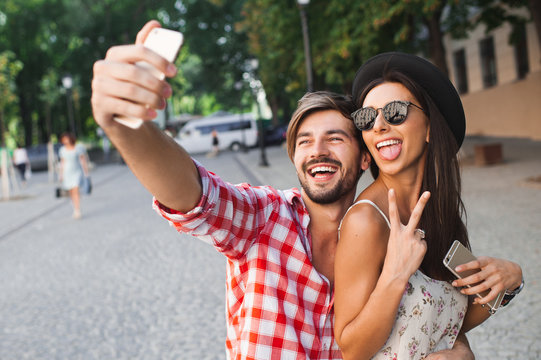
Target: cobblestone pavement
{"points": [[121, 284]]}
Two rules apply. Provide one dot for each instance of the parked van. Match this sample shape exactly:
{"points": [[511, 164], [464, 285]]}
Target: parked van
{"points": [[234, 132]]}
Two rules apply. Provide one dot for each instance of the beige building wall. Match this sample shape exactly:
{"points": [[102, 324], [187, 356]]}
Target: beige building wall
{"points": [[512, 107], [509, 110]]}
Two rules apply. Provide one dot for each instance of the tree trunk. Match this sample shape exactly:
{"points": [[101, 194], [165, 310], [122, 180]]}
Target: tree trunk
{"points": [[535, 9], [2, 129], [42, 129], [48, 127], [435, 41], [273, 103], [25, 113], [4, 177]]}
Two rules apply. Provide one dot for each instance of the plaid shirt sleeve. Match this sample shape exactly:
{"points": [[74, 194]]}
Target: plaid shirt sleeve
{"points": [[227, 216]]}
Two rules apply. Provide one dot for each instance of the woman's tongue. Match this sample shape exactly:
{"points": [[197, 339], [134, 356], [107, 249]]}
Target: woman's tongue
{"points": [[390, 152]]}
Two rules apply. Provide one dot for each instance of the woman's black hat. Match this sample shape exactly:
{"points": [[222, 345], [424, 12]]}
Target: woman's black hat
{"points": [[424, 73]]}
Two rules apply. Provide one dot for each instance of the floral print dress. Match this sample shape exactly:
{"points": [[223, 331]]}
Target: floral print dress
{"points": [[429, 317]]}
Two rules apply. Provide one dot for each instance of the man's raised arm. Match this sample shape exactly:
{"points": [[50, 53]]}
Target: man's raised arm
{"points": [[119, 87]]}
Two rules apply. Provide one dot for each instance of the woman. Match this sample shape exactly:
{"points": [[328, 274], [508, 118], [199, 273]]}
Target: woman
{"points": [[21, 162], [405, 307], [73, 167]]}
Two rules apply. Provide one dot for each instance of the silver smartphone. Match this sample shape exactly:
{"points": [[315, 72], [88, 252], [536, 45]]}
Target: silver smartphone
{"points": [[458, 254], [166, 43]]}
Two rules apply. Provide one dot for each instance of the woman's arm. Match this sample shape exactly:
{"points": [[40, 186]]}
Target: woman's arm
{"points": [[358, 261], [61, 169], [84, 164], [373, 268]]}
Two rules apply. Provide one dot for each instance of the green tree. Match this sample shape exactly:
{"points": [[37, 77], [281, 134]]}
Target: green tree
{"points": [[218, 52], [49, 95], [342, 35], [275, 39], [9, 68], [68, 36], [413, 15], [25, 26]]}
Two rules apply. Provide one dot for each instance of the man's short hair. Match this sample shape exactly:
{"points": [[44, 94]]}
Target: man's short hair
{"points": [[318, 101]]}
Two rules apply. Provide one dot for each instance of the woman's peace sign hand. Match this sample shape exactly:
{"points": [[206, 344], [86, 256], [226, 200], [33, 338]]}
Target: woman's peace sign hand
{"points": [[406, 247]]}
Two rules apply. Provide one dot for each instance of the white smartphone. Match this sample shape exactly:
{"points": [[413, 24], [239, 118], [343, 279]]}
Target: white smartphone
{"points": [[166, 43], [458, 254]]}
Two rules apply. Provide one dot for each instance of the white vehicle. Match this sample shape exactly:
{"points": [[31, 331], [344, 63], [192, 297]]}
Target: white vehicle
{"points": [[234, 132]]}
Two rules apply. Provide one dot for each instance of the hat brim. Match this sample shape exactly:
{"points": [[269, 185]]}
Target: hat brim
{"points": [[424, 73]]}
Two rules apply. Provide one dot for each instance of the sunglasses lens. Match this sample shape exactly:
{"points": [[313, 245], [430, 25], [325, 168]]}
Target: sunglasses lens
{"points": [[364, 119], [395, 112]]}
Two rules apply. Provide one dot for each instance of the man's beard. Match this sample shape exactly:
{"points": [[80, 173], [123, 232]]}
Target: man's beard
{"points": [[326, 195]]}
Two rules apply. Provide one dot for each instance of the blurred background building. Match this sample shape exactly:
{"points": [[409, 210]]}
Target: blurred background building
{"points": [[500, 83]]}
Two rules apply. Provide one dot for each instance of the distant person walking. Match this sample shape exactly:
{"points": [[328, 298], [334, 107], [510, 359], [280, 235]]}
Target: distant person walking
{"points": [[21, 162], [73, 166], [215, 143]]}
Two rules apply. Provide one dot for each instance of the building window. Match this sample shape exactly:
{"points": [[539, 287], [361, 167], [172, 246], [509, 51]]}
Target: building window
{"points": [[461, 75], [488, 62], [521, 53]]}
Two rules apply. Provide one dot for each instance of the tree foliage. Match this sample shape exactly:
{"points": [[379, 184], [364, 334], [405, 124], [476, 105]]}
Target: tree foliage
{"points": [[9, 68], [65, 37], [217, 50], [52, 38]]}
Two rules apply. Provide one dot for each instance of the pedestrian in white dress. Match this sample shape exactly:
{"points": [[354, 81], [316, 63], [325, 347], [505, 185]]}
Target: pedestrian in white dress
{"points": [[73, 169]]}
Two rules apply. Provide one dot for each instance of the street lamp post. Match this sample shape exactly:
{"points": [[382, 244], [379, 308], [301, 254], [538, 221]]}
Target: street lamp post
{"points": [[306, 39], [256, 87], [263, 155], [238, 87], [67, 83]]}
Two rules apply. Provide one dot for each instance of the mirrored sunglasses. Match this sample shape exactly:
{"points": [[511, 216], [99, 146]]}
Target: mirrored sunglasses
{"points": [[394, 113]]}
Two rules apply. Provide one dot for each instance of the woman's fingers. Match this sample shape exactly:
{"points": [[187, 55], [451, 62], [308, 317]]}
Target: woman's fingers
{"points": [[394, 217], [491, 295], [415, 216], [472, 265], [405, 250], [417, 212]]}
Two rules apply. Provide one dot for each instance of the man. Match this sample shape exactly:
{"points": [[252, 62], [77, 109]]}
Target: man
{"points": [[279, 244]]}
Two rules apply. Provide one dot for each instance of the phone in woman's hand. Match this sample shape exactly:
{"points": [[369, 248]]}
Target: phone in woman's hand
{"points": [[458, 254]]}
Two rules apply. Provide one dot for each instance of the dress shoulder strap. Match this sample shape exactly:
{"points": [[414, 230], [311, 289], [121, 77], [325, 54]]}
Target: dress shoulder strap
{"points": [[365, 201]]}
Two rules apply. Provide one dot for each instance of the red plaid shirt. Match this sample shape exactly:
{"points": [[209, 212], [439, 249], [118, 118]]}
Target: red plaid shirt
{"points": [[278, 305]]}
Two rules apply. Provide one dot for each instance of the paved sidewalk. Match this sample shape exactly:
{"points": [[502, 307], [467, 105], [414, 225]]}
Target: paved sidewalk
{"points": [[121, 284]]}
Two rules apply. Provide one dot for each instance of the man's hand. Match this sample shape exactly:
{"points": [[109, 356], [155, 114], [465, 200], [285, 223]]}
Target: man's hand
{"points": [[460, 351], [119, 87], [496, 275]]}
